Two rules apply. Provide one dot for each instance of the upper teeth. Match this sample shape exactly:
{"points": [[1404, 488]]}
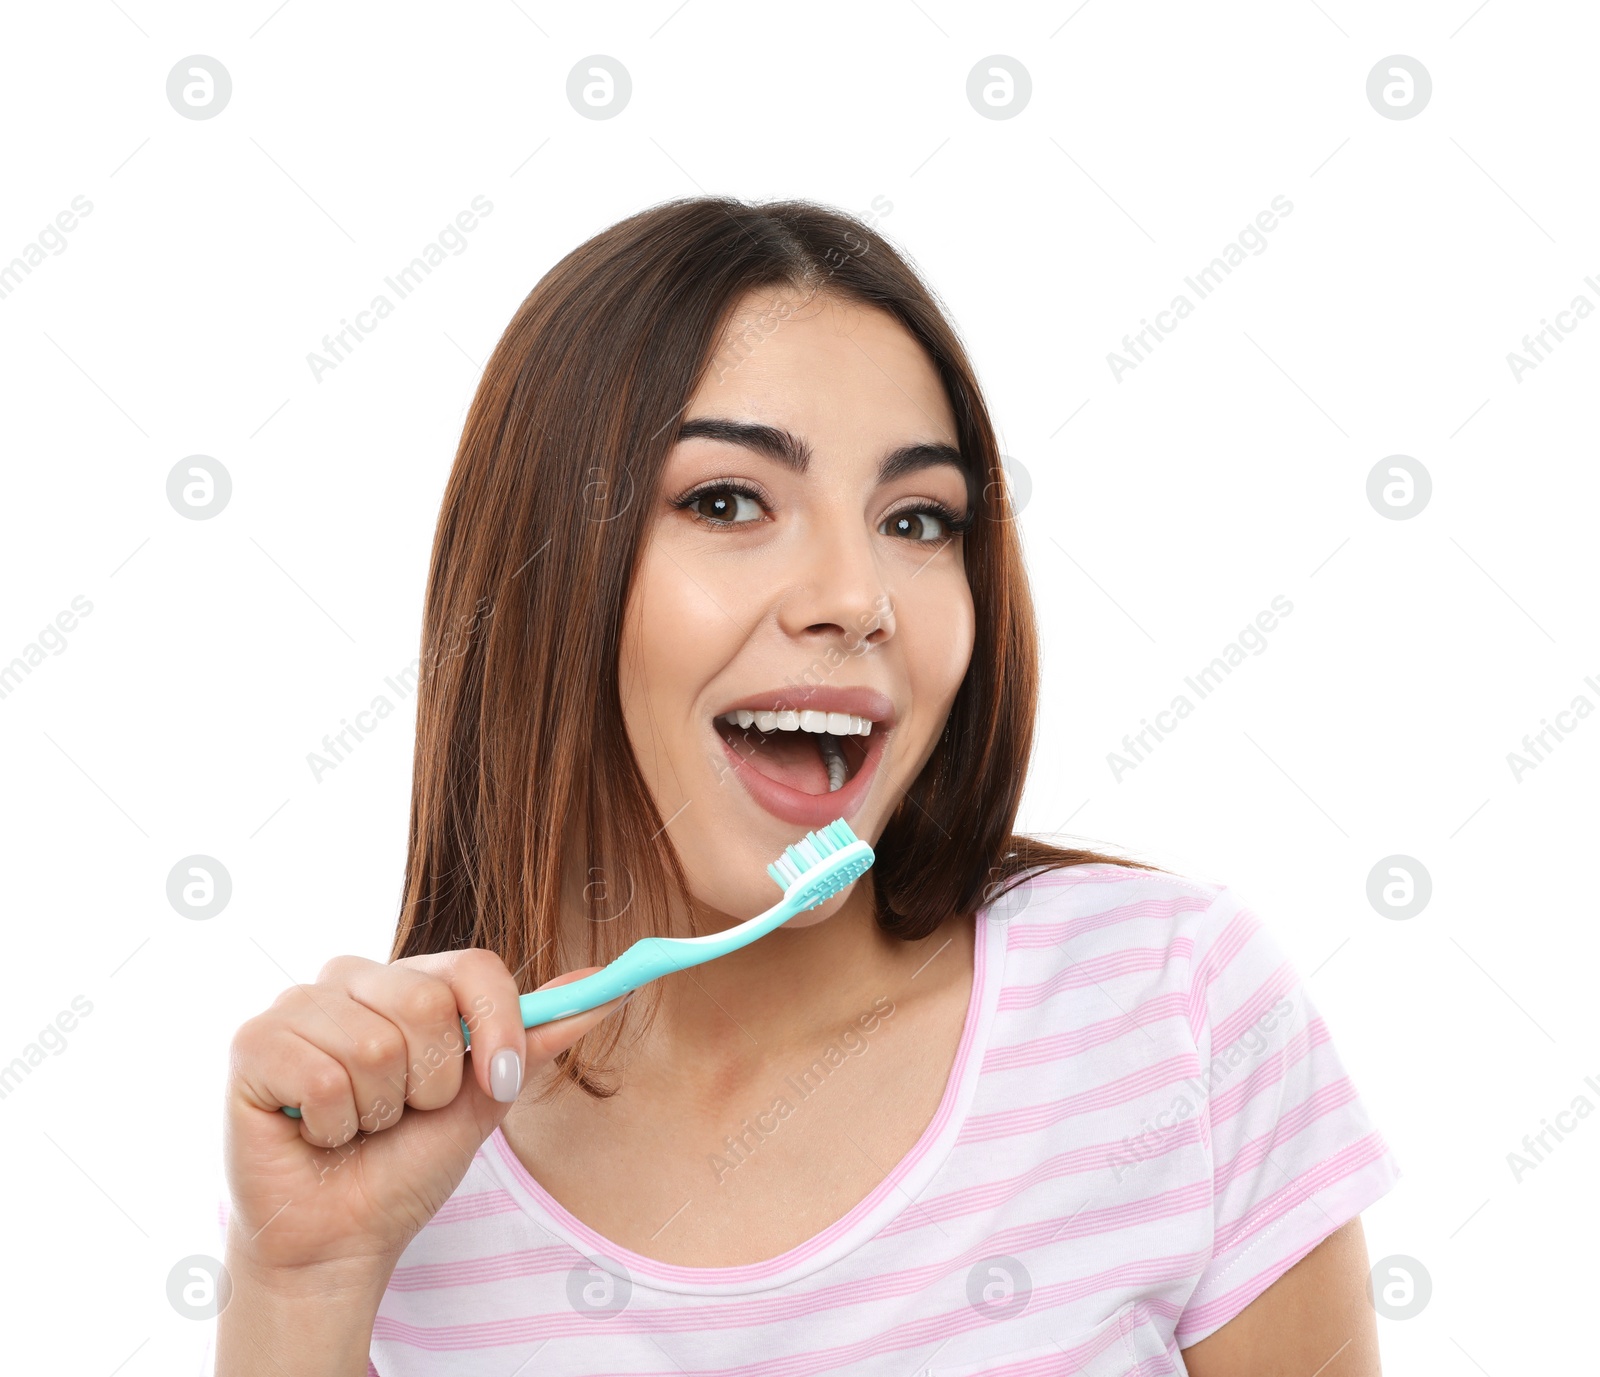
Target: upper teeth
{"points": [[836, 723]]}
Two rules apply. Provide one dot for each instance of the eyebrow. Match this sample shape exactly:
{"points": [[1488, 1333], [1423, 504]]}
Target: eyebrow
{"points": [[794, 453]]}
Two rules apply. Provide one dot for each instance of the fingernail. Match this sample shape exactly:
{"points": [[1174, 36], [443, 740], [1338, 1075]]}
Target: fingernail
{"points": [[505, 1075]]}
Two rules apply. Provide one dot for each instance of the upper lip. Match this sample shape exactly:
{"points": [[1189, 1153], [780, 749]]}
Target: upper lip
{"points": [[858, 699]]}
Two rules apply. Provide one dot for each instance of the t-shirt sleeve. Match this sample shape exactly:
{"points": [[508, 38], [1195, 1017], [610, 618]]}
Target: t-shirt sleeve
{"points": [[1293, 1154]]}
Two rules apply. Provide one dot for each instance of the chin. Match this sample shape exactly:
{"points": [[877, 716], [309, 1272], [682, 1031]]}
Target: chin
{"points": [[739, 900], [811, 917]]}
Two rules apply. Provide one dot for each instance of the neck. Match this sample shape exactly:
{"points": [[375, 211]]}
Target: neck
{"points": [[790, 987], [732, 1020]]}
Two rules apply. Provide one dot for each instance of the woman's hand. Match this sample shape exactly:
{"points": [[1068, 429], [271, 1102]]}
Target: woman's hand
{"points": [[392, 1108]]}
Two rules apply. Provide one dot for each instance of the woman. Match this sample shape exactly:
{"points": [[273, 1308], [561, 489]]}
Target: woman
{"points": [[999, 1107]]}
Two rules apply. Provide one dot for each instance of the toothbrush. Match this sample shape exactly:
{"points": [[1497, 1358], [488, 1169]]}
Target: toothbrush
{"points": [[809, 873]]}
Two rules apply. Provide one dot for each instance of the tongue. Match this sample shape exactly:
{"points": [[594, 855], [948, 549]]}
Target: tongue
{"points": [[791, 758]]}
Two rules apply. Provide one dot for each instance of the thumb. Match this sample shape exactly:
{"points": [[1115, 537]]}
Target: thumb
{"points": [[544, 1042]]}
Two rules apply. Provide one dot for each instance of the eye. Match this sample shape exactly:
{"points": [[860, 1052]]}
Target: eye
{"points": [[930, 522], [722, 504]]}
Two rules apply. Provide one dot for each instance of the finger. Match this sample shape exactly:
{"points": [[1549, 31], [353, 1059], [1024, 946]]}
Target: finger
{"points": [[486, 994], [540, 1044], [273, 1065], [548, 1040], [370, 1047], [423, 1007]]}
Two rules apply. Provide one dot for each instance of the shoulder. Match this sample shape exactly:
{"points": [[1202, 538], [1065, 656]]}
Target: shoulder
{"points": [[1093, 910], [1135, 935]]}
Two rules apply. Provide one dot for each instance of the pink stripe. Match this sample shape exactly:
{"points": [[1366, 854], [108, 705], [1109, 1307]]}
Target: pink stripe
{"points": [[1024, 936], [1029, 1118], [1059, 1046], [1232, 1101], [651, 1268], [1274, 1207], [992, 1195], [1335, 1095], [474, 1271], [1078, 974], [1233, 1026], [1240, 929], [478, 1205]]}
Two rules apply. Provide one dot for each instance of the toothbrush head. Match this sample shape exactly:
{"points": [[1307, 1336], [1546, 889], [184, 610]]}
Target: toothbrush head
{"points": [[822, 863]]}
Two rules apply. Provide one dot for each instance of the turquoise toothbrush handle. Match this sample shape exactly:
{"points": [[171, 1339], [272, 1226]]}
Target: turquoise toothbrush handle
{"points": [[648, 959], [643, 962]]}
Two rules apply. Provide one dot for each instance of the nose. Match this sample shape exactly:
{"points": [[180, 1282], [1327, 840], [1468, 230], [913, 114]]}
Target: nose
{"points": [[838, 596]]}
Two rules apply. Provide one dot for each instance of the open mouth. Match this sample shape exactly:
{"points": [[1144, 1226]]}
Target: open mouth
{"points": [[805, 766], [812, 752]]}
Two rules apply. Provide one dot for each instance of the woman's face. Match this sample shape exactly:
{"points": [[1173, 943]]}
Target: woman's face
{"points": [[800, 562]]}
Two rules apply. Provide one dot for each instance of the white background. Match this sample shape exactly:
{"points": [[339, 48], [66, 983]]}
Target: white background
{"points": [[1167, 508]]}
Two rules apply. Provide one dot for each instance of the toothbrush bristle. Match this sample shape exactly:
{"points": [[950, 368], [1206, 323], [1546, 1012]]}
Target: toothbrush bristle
{"points": [[812, 852]]}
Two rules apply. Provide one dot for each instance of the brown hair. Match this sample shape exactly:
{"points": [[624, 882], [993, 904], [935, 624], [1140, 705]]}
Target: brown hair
{"points": [[522, 758]]}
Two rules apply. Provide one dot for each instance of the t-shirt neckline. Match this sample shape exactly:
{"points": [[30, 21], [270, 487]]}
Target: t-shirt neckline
{"points": [[896, 1193]]}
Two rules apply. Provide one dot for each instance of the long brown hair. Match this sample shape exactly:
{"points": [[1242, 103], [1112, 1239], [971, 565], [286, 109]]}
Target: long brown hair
{"points": [[522, 758]]}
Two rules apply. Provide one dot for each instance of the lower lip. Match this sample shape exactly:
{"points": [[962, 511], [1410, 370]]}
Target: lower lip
{"points": [[810, 811]]}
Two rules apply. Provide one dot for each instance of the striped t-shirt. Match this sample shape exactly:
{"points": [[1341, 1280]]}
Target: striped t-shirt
{"points": [[1146, 1124]]}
